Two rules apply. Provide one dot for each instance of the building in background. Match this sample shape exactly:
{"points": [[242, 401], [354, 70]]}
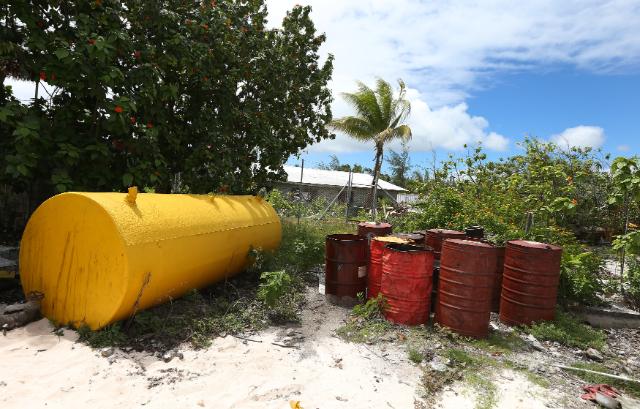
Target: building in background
{"points": [[328, 184]]}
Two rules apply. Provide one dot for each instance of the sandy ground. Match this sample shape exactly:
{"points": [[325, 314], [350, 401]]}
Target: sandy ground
{"points": [[39, 369]]}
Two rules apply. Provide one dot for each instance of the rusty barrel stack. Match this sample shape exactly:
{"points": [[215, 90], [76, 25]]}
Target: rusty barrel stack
{"points": [[406, 283], [530, 282], [374, 268], [467, 276], [345, 266]]}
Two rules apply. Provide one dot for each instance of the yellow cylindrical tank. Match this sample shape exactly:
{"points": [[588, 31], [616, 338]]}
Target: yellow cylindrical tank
{"points": [[99, 257]]}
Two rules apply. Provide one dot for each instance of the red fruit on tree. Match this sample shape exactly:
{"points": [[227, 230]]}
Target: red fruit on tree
{"points": [[118, 109], [136, 54], [92, 41], [43, 75], [149, 125]]}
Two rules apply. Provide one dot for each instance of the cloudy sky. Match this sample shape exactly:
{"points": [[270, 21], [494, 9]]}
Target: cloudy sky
{"points": [[490, 71]]}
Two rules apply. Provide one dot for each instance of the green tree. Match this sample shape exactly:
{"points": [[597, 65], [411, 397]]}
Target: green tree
{"points": [[379, 119], [141, 92], [400, 164]]}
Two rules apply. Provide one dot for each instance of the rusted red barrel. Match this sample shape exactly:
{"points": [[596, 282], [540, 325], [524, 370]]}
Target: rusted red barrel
{"points": [[345, 265], [435, 237], [467, 273], [372, 229], [529, 282], [374, 268], [406, 283], [497, 285]]}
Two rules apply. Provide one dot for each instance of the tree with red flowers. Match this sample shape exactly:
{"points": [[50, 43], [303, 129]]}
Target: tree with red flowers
{"points": [[131, 92]]}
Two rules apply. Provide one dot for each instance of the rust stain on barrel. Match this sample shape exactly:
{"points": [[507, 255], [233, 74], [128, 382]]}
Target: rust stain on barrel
{"points": [[467, 275], [345, 265], [530, 282]]}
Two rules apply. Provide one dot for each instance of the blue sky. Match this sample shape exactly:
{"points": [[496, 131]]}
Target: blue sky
{"points": [[490, 71]]}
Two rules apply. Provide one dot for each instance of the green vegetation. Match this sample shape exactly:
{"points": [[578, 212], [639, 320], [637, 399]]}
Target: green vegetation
{"points": [[632, 388], [500, 343], [214, 100], [366, 324], [414, 355], [568, 331]]}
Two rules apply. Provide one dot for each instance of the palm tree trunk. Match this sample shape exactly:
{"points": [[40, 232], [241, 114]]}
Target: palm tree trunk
{"points": [[376, 176]]}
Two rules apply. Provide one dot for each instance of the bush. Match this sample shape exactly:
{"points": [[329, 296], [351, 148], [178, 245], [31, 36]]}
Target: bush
{"points": [[149, 92], [273, 286], [580, 276]]}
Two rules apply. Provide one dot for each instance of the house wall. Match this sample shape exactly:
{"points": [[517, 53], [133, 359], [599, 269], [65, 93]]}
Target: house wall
{"points": [[360, 197]]}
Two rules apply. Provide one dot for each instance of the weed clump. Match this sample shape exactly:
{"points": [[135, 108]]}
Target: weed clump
{"points": [[567, 330], [366, 323]]}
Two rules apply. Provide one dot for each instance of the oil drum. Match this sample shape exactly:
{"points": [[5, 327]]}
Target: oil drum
{"points": [[374, 268], [435, 237], [345, 265], [467, 275], [406, 283], [373, 229], [529, 282]]}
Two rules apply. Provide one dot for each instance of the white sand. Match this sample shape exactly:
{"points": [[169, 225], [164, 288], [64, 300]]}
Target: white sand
{"points": [[41, 370]]}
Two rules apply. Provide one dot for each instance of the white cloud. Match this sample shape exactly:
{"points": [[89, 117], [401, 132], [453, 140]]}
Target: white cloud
{"points": [[580, 136], [623, 148], [448, 50], [448, 127]]}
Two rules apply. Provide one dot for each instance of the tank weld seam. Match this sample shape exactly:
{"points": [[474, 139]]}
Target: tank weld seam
{"points": [[135, 242]]}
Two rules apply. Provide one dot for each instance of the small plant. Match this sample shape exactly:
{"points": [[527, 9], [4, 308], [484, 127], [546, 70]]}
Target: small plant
{"points": [[414, 355], [273, 286], [111, 335], [568, 331], [373, 308]]}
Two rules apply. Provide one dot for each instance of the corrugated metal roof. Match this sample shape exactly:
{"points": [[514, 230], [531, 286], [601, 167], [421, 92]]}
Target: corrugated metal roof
{"points": [[335, 178]]}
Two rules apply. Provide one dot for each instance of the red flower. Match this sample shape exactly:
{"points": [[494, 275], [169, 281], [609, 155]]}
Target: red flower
{"points": [[43, 75], [133, 120], [149, 125], [92, 41], [118, 109], [136, 54]]}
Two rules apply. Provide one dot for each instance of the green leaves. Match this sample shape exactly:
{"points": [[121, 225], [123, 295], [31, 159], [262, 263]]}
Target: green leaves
{"points": [[127, 179], [142, 96]]}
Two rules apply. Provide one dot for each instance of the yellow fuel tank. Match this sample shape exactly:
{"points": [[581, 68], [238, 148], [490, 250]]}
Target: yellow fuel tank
{"points": [[99, 257]]}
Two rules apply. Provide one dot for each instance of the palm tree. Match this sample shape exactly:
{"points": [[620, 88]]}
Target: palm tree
{"points": [[379, 119]]}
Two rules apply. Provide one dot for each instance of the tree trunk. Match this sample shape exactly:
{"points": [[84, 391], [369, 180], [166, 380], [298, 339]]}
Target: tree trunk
{"points": [[376, 176]]}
